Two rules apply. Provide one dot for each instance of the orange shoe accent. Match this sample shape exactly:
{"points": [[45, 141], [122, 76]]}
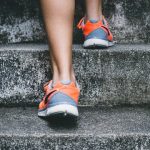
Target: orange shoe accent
{"points": [[89, 27], [48, 91], [70, 90]]}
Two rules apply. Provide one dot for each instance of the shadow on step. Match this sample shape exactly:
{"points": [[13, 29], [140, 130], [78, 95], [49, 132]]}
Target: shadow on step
{"points": [[60, 121]]}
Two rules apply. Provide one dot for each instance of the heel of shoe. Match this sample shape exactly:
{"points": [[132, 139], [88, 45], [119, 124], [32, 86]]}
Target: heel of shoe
{"points": [[65, 109], [97, 43]]}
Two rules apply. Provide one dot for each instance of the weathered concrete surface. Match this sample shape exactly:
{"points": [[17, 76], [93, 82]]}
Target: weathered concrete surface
{"points": [[23, 70], [116, 76], [129, 20], [21, 21], [104, 129]]}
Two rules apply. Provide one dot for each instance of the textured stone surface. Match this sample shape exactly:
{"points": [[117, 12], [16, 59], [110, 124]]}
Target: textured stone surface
{"points": [[23, 70], [21, 21], [107, 129], [115, 76]]}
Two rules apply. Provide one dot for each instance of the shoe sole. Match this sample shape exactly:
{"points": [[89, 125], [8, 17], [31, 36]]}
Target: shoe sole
{"points": [[42, 113], [97, 43], [64, 109]]}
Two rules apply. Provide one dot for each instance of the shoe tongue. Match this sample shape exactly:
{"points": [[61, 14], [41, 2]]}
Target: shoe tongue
{"points": [[66, 82], [93, 21]]}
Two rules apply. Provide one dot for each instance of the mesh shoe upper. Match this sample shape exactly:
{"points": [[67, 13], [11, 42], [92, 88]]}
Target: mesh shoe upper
{"points": [[95, 29]]}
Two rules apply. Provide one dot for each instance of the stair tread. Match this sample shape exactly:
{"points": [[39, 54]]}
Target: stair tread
{"points": [[119, 121], [76, 47]]}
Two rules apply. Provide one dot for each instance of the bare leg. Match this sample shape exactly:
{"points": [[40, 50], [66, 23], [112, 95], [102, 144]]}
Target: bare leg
{"points": [[58, 17], [94, 9]]}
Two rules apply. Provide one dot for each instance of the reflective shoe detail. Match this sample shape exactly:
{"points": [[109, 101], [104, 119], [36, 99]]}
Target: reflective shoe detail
{"points": [[96, 33], [62, 98]]}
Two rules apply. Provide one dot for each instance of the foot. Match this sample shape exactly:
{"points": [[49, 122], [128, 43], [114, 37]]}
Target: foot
{"points": [[60, 99], [96, 33]]}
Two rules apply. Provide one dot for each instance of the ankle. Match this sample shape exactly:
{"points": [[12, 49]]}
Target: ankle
{"points": [[63, 78], [97, 18]]}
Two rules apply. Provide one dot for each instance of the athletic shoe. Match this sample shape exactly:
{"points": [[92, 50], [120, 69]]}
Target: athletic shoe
{"points": [[60, 99], [96, 33]]}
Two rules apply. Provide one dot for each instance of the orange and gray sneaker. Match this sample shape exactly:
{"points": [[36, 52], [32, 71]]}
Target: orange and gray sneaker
{"points": [[60, 99], [96, 33]]}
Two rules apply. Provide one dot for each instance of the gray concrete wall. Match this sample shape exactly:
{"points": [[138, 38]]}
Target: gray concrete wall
{"points": [[21, 21]]}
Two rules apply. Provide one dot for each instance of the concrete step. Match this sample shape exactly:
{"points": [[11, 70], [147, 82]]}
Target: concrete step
{"points": [[106, 129], [115, 76], [21, 21]]}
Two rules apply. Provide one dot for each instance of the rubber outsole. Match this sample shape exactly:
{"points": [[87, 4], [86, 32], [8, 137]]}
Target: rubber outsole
{"points": [[97, 43], [64, 109]]}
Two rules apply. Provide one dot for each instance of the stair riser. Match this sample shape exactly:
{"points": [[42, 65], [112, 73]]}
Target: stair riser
{"points": [[21, 21], [106, 77], [76, 142]]}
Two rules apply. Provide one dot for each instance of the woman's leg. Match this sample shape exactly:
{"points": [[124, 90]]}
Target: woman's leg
{"points": [[60, 97], [94, 9], [58, 17]]}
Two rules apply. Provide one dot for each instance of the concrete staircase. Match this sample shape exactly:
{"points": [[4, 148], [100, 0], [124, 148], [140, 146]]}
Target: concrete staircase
{"points": [[115, 97]]}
